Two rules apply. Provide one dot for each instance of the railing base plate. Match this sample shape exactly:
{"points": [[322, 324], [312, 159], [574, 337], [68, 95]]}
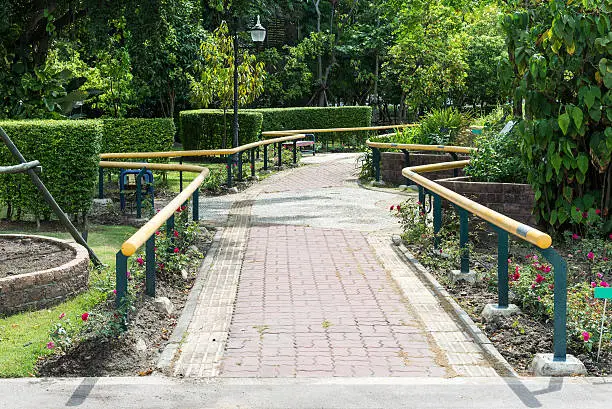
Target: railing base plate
{"points": [[545, 365], [456, 275], [493, 310]]}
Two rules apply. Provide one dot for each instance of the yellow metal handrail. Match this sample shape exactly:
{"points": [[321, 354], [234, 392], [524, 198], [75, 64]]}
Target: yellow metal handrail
{"points": [[419, 147], [331, 130]]}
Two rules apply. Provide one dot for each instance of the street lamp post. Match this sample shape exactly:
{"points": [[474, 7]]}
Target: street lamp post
{"points": [[258, 35]]}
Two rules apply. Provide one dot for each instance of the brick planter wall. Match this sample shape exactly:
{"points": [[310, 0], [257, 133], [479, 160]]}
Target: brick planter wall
{"points": [[45, 288], [510, 199], [392, 164]]}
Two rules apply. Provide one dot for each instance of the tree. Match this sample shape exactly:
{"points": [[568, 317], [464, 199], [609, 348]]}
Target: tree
{"points": [[216, 80]]}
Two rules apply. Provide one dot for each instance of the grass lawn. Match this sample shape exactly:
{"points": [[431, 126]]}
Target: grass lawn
{"points": [[23, 337]]}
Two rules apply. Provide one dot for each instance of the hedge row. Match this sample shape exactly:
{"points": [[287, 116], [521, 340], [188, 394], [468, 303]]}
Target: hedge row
{"points": [[68, 152], [203, 129], [137, 135], [209, 129]]}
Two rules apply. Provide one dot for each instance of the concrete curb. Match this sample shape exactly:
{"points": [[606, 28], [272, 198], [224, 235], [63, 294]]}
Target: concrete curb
{"points": [[405, 192], [166, 359], [499, 363]]}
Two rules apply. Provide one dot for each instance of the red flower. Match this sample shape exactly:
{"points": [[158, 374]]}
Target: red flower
{"points": [[398, 208], [575, 236], [590, 255], [604, 284], [391, 208], [157, 233], [610, 236], [586, 336], [176, 250], [140, 261], [585, 214], [516, 276], [539, 278], [551, 286], [176, 233], [597, 211], [85, 316], [593, 284], [62, 315]]}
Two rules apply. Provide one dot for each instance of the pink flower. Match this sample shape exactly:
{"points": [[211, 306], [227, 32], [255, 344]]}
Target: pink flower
{"points": [[586, 336], [157, 233], [398, 208], [50, 345], [161, 266], [593, 284], [85, 316], [585, 215], [533, 285], [575, 236], [419, 203], [115, 291], [516, 269], [176, 233], [546, 269], [604, 284], [140, 261], [598, 211], [599, 275], [590, 255], [551, 286], [539, 279], [605, 259], [128, 274], [510, 261], [516, 276], [391, 208], [176, 250], [62, 315], [610, 236]]}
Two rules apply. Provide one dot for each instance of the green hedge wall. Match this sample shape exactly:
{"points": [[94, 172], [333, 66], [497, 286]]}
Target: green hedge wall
{"points": [[68, 152], [137, 135], [203, 128], [278, 119]]}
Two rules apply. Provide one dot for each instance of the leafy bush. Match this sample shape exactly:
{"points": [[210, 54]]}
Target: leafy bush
{"points": [[68, 152], [210, 129], [441, 127], [498, 159], [279, 119], [137, 135]]}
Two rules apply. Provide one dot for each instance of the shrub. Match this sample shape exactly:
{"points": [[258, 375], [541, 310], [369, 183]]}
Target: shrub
{"points": [[279, 119], [498, 159], [137, 135], [68, 152], [204, 128], [441, 127]]}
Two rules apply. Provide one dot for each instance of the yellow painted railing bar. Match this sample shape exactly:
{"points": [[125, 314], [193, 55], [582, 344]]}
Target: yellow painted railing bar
{"points": [[527, 233], [192, 153], [434, 167], [328, 130], [152, 166], [418, 147], [132, 244]]}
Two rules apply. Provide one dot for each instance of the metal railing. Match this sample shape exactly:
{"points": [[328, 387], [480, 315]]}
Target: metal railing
{"points": [[230, 154], [503, 226]]}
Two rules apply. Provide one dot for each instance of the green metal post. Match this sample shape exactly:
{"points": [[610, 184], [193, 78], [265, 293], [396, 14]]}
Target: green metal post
{"points": [[181, 176], [422, 197], [463, 241], [139, 192], [101, 183], [265, 157], [196, 205], [376, 162], [437, 219], [229, 171], [502, 268], [455, 171], [560, 303], [279, 148], [150, 266], [121, 271], [239, 166], [294, 152], [170, 229], [253, 162], [407, 164]]}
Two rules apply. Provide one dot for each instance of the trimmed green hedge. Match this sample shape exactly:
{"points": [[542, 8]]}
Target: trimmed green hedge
{"points": [[279, 119], [69, 154], [137, 135], [203, 128]]}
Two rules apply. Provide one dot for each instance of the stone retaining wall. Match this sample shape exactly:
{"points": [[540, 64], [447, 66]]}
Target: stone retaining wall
{"points": [[510, 199], [43, 289], [392, 164]]}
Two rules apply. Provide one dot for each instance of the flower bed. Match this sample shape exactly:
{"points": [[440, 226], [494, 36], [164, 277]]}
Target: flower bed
{"points": [[392, 164], [520, 337]]}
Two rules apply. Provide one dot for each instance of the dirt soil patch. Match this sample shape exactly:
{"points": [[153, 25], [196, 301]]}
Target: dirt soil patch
{"points": [[24, 255]]}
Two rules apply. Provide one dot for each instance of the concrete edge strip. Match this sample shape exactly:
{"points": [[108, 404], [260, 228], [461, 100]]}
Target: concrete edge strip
{"points": [[393, 191], [499, 363], [166, 358]]}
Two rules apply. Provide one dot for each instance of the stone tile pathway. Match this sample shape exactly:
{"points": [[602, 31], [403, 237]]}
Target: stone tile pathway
{"points": [[305, 284]]}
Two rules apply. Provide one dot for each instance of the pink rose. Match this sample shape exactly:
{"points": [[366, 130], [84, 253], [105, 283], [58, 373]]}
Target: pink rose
{"points": [[575, 236], [50, 345], [62, 315], [85, 316], [176, 250], [586, 336], [604, 284], [590, 255], [539, 279], [140, 261]]}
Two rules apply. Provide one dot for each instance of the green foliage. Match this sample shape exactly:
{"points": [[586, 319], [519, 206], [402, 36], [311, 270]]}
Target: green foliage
{"points": [[137, 135], [440, 127], [498, 159], [68, 152], [278, 119], [560, 67], [206, 128]]}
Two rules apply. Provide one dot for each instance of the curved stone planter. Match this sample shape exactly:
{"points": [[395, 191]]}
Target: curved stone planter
{"points": [[515, 200], [42, 289], [392, 164]]}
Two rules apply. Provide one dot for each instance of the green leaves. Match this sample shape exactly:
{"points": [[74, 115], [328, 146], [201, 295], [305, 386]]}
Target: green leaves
{"points": [[564, 122]]}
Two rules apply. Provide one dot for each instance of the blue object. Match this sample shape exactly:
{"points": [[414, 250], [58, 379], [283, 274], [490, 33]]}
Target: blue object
{"points": [[147, 176]]}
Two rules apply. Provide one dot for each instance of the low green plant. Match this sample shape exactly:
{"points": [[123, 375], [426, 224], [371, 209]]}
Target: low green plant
{"points": [[441, 127]]}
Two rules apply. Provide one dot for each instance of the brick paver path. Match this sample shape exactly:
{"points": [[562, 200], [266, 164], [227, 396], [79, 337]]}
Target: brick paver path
{"points": [[305, 284]]}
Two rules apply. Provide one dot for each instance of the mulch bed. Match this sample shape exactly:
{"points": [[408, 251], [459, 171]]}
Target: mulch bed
{"points": [[24, 255]]}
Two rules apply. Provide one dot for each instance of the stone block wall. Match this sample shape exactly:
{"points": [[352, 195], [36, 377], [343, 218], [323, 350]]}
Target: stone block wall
{"points": [[392, 164], [510, 199], [43, 289]]}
